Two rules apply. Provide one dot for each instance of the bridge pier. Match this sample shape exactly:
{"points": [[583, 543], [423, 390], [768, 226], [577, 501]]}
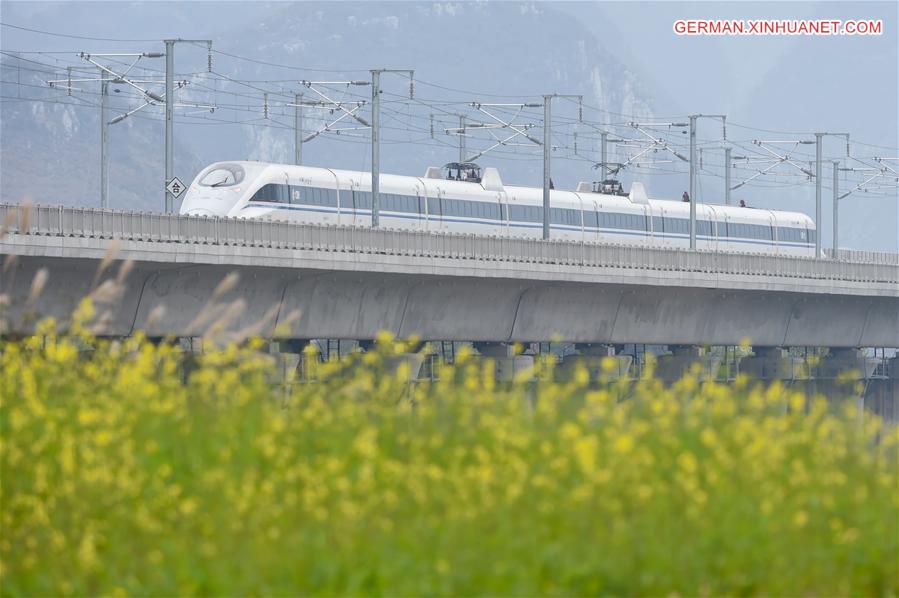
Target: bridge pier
{"points": [[287, 362], [507, 363], [601, 361], [883, 393], [773, 363], [673, 366]]}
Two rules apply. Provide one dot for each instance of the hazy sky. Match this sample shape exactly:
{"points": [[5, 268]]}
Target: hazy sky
{"points": [[789, 85]]}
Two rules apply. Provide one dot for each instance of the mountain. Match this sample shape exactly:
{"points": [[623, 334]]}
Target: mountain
{"points": [[462, 52]]}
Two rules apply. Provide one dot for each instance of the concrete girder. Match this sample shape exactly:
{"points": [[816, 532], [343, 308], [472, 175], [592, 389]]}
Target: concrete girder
{"points": [[356, 305]]}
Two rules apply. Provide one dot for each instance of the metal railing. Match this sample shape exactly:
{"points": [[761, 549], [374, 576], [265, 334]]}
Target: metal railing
{"points": [[62, 221]]}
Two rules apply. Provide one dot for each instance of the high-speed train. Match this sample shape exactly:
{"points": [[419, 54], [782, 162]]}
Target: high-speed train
{"points": [[457, 198]]}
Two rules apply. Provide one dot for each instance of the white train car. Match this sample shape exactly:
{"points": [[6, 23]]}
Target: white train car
{"points": [[458, 199]]}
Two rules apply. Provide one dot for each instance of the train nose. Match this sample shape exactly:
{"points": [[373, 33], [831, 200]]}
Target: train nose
{"points": [[201, 202]]}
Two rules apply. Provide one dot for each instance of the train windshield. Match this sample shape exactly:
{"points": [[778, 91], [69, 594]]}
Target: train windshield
{"points": [[223, 176]]}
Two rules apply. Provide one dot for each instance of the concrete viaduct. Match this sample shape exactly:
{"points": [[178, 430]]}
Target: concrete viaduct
{"points": [[350, 283]]}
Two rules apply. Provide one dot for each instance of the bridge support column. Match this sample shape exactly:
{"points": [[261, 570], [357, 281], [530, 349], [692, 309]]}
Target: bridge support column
{"points": [[600, 360], [851, 374], [507, 363], [413, 361], [773, 363], [287, 362], [672, 367], [392, 363], [888, 401], [850, 363]]}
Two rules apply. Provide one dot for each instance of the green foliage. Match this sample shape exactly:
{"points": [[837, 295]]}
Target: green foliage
{"points": [[118, 477]]}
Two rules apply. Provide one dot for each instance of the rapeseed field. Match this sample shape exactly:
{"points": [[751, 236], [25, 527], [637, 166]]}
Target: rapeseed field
{"points": [[127, 469]]}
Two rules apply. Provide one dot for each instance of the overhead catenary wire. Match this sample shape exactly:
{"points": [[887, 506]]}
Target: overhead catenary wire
{"points": [[405, 120]]}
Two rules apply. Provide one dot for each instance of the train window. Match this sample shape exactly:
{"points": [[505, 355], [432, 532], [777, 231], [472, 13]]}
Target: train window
{"points": [[362, 200], [658, 225], [677, 225], [556, 216], [449, 206], [434, 206], [272, 193], [312, 196], [401, 203], [791, 235], [223, 176], [591, 219], [328, 197], [606, 220], [526, 213]]}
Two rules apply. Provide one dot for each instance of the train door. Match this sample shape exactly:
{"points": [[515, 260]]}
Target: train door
{"points": [[420, 201], [774, 246], [724, 233], [325, 199], [597, 221], [712, 231], [647, 225], [422, 192], [502, 227], [435, 209], [655, 224], [668, 237], [349, 199], [582, 236]]}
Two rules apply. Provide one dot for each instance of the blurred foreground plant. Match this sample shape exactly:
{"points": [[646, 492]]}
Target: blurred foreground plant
{"points": [[120, 477]]}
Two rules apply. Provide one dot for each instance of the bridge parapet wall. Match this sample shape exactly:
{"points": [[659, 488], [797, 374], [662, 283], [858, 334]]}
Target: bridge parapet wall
{"points": [[61, 221]]}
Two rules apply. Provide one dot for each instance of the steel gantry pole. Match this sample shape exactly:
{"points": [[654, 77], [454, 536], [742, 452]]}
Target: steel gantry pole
{"points": [[376, 138], [169, 117], [298, 130], [547, 145], [170, 110], [692, 182], [604, 153], [461, 138], [375, 146], [104, 141], [818, 148], [727, 176], [836, 209]]}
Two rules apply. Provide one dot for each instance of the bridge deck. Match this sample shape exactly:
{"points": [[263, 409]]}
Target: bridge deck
{"points": [[85, 232], [353, 282]]}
